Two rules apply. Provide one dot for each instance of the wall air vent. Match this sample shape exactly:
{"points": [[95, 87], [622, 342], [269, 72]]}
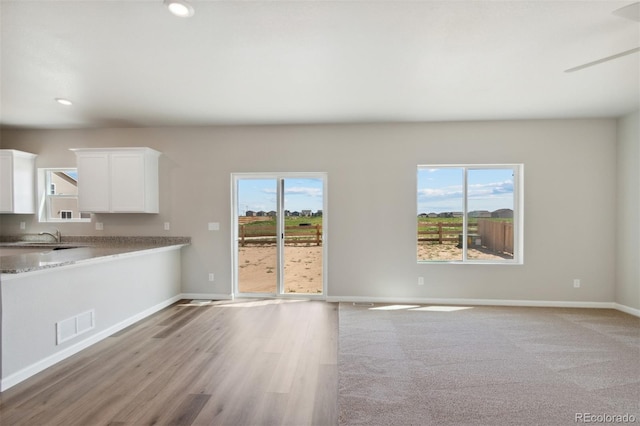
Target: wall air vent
{"points": [[71, 327]]}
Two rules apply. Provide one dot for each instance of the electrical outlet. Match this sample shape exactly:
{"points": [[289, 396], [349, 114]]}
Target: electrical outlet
{"points": [[214, 226], [211, 277], [420, 280], [576, 283], [167, 226], [23, 225], [99, 226]]}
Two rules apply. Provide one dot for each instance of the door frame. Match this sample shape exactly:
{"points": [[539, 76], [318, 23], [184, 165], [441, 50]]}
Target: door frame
{"points": [[279, 177]]}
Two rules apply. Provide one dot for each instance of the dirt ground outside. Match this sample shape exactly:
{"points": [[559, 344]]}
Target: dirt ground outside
{"points": [[303, 265], [302, 269], [450, 252]]}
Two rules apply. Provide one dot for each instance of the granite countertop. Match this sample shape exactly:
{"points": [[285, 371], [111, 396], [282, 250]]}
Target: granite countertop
{"points": [[36, 254]]}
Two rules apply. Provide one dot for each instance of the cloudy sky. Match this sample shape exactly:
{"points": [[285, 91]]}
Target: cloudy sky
{"points": [[440, 189], [260, 194]]}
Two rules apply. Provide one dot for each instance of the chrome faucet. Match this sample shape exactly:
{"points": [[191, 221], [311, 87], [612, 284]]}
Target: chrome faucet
{"points": [[57, 235]]}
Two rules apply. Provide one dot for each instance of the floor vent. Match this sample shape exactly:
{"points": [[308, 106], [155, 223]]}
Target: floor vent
{"points": [[71, 327]]}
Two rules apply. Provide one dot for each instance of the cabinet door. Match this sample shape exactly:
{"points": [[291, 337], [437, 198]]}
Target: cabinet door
{"points": [[6, 180], [93, 182], [23, 184], [127, 182]]}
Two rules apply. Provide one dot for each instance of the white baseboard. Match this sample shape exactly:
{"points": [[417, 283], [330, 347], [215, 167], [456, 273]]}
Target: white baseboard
{"points": [[47, 362], [211, 296], [627, 309], [475, 302]]}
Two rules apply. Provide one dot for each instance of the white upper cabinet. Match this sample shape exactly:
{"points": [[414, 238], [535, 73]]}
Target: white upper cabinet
{"points": [[118, 180], [17, 182]]}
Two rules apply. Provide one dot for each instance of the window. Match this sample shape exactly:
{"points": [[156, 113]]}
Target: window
{"points": [[470, 213], [59, 196]]}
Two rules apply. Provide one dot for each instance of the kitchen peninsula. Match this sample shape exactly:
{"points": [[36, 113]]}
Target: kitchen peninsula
{"points": [[59, 298]]}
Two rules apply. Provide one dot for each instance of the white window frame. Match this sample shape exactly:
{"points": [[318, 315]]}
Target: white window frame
{"points": [[518, 212], [44, 196]]}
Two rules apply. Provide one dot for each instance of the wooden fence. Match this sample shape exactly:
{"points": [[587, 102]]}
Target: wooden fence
{"points": [[496, 236], [443, 232], [293, 235]]}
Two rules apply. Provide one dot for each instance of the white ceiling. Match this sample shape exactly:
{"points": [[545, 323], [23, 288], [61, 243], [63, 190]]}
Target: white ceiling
{"points": [[132, 64]]}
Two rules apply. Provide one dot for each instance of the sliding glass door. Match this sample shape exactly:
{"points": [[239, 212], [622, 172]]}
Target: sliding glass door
{"points": [[279, 234], [257, 250]]}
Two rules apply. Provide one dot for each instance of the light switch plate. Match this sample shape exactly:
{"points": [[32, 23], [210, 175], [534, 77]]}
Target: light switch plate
{"points": [[99, 226]]}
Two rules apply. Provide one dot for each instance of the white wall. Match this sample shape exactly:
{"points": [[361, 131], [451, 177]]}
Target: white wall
{"points": [[628, 212], [119, 290], [570, 200]]}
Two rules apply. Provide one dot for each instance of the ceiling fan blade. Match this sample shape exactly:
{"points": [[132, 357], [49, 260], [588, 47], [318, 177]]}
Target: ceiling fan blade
{"points": [[631, 11], [608, 58]]}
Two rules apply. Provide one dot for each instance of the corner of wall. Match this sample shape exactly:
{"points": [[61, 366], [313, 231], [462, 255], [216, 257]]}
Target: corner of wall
{"points": [[627, 268]]}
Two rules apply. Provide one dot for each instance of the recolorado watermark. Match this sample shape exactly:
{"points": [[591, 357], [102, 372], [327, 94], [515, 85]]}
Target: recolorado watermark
{"points": [[604, 418]]}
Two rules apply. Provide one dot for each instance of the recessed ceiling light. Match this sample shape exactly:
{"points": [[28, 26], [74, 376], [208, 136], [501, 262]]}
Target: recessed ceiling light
{"points": [[63, 101], [180, 8]]}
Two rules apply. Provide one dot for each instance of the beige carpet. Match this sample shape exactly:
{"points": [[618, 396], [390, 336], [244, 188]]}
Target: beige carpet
{"points": [[487, 366]]}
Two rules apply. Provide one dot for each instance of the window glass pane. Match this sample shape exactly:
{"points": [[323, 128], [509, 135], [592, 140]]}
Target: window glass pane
{"points": [[257, 235], [63, 208], [303, 235], [64, 182], [440, 213], [490, 204], [60, 196], [469, 213]]}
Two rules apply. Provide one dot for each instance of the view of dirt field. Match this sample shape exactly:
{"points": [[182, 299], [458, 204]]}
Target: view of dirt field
{"points": [[302, 269], [448, 252], [303, 265]]}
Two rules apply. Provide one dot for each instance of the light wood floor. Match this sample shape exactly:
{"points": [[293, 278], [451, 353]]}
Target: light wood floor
{"points": [[242, 363]]}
